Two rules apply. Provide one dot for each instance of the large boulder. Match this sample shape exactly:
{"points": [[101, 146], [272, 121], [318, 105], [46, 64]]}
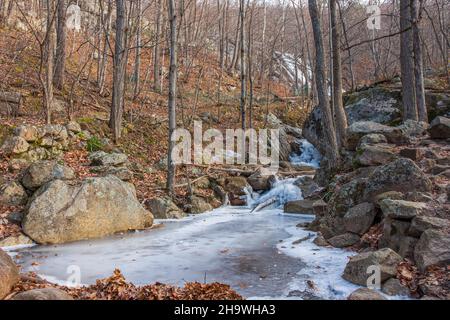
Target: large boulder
{"points": [[401, 175], [402, 210], [357, 268], [164, 208], [375, 104], [98, 207], [43, 294], [433, 248], [359, 129], [9, 274], [365, 294], [13, 194], [440, 128], [360, 218], [39, 173]]}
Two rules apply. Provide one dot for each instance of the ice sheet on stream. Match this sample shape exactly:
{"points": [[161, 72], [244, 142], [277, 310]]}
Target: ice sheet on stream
{"points": [[253, 252]]}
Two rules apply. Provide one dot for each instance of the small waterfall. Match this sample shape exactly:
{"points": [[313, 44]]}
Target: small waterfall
{"points": [[309, 156], [285, 190]]}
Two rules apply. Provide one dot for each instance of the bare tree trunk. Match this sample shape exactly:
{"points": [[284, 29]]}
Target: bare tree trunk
{"points": [[243, 63], [172, 93], [106, 45], [157, 53], [341, 117], [330, 143], [137, 62], [49, 56], [407, 63], [418, 64], [60, 61], [118, 73]]}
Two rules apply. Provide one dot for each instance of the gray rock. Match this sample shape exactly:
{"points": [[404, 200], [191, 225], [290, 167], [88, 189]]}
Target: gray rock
{"points": [[13, 194], [356, 270], [393, 195], [400, 209], [74, 127], [413, 128], [365, 294], [27, 132], [393, 287], [320, 241], [375, 155], [43, 294], [359, 129], [98, 207], [13, 241], [123, 173], [261, 180], [299, 206], [15, 146], [42, 172], [9, 274], [236, 185], [401, 175], [360, 218], [199, 205], [373, 138], [415, 154], [164, 208], [395, 232], [101, 158], [373, 104], [440, 128], [344, 240], [433, 248], [422, 223]]}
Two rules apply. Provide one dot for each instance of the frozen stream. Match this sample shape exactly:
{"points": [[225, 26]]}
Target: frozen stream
{"points": [[258, 254]]}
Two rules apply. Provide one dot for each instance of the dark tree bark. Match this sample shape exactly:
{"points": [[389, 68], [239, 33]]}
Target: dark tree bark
{"points": [[418, 64], [172, 93], [407, 63], [118, 73], [60, 61], [330, 143], [341, 117], [157, 52]]}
